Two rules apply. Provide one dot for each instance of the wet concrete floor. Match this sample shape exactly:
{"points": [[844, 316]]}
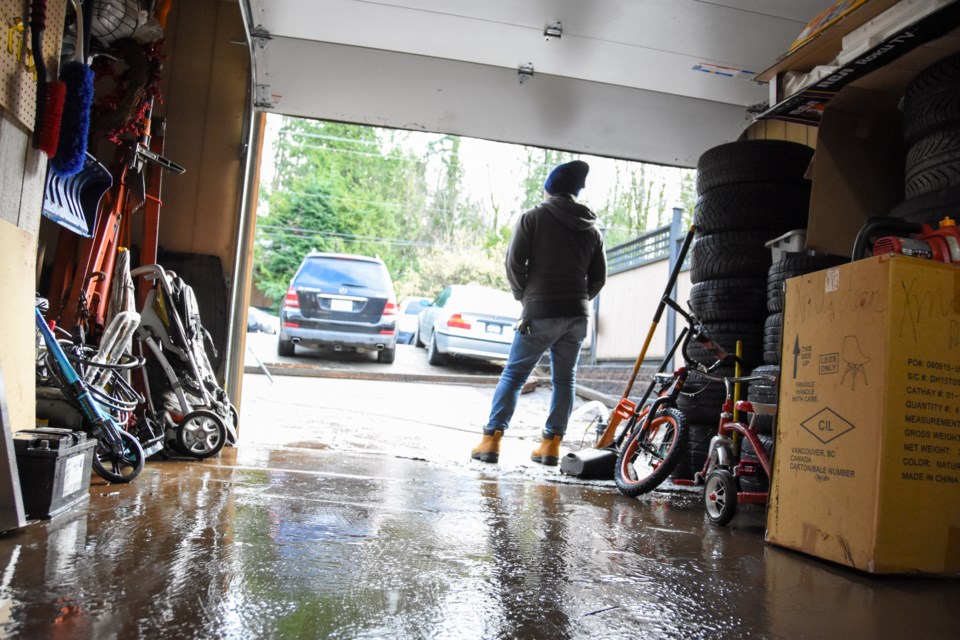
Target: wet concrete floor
{"points": [[351, 510]]}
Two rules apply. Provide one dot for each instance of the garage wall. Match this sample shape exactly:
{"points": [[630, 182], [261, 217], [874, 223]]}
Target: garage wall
{"points": [[205, 87], [22, 170]]}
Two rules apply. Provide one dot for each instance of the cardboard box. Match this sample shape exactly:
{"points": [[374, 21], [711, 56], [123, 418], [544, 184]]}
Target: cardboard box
{"points": [[867, 459]]}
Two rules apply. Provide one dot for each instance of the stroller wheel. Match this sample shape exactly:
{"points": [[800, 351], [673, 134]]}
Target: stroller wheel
{"points": [[201, 434]]}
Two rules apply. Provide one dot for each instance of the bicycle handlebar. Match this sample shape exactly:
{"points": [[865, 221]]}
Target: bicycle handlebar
{"points": [[736, 379]]}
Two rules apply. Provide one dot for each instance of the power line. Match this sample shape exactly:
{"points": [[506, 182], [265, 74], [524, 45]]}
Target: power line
{"points": [[276, 230]]}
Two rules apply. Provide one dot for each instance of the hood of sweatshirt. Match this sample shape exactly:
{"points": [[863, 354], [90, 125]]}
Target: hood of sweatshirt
{"points": [[572, 215]]}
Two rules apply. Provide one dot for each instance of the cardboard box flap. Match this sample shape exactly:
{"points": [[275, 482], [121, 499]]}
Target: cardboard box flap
{"points": [[858, 168]]}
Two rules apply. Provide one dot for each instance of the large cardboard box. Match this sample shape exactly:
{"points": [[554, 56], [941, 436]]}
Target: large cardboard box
{"points": [[867, 459]]}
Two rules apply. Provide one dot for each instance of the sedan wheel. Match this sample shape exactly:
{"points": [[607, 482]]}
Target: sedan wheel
{"points": [[434, 356]]}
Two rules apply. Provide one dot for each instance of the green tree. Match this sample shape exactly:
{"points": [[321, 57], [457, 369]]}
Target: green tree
{"points": [[339, 187]]}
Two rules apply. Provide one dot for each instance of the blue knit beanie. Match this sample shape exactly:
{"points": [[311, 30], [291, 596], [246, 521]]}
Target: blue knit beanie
{"points": [[567, 178]]}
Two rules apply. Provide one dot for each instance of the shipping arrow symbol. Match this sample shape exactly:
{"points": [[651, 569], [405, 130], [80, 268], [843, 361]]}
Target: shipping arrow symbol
{"points": [[796, 355]]}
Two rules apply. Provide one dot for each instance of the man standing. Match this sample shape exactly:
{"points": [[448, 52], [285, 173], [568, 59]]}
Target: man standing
{"points": [[555, 264]]}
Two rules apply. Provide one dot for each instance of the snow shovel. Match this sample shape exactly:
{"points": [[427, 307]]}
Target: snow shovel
{"points": [[599, 463]]}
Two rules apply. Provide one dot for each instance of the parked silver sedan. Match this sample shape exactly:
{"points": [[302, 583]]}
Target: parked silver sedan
{"points": [[468, 321]]}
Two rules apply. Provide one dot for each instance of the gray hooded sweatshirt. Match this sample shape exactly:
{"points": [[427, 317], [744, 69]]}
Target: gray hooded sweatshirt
{"points": [[556, 262]]}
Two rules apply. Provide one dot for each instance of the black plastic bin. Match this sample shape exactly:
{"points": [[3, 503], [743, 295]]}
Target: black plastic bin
{"points": [[54, 467]]}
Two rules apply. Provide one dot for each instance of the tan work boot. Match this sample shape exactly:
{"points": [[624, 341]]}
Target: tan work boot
{"points": [[548, 452], [489, 448]]}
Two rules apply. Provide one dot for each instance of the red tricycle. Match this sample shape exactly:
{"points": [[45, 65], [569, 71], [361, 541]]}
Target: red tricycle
{"points": [[739, 461]]}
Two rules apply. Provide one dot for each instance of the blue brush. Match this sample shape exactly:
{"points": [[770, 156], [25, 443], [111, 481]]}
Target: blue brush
{"points": [[77, 76]]}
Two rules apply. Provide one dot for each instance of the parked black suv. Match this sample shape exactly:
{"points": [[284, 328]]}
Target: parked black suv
{"points": [[340, 301]]}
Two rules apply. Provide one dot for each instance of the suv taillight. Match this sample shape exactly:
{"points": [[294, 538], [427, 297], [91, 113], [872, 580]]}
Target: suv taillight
{"points": [[457, 322], [291, 301], [390, 307]]}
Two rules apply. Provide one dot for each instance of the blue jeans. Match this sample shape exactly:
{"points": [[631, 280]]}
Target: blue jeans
{"points": [[563, 337]]}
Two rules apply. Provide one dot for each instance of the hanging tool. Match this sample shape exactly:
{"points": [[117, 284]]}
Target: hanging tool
{"points": [[50, 95], [77, 78]]}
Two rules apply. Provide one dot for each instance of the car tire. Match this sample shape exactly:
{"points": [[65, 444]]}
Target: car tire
{"points": [[286, 348], [729, 299], [933, 163], [387, 356], [434, 356], [776, 161], [729, 254], [416, 339], [757, 205], [772, 338]]}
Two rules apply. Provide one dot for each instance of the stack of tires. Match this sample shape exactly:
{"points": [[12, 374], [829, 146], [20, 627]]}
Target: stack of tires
{"points": [[749, 192], [931, 133]]}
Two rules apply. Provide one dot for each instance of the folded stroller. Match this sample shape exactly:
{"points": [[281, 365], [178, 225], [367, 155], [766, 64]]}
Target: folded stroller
{"points": [[180, 385]]}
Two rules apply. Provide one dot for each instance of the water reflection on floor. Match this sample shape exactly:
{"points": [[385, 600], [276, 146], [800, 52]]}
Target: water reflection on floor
{"points": [[308, 534]]}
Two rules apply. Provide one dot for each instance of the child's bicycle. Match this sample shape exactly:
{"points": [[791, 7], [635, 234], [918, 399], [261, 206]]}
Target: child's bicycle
{"points": [[655, 435], [731, 475], [118, 456]]}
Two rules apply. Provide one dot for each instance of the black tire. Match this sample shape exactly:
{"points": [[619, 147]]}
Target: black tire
{"points": [[720, 496], [417, 342], [694, 456], [201, 434], [387, 356], [792, 266], [729, 299], [762, 391], [434, 356], [726, 335], [123, 468], [932, 100], [929, 208], [933, 163], [649, 455], [759, 482], [753, 161], [772, 342], [286, 348], [730, 254], [701, 399], [777, 207]]}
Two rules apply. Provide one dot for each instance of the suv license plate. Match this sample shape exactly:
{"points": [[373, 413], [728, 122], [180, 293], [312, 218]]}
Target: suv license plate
{"points": [[340, 305]]}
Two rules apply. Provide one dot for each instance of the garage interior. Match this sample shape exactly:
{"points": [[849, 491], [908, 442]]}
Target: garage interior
{"points": [[442, 548]]}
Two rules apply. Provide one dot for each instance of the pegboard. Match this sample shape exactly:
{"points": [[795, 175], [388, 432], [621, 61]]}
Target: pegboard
{"points": [[19, 89]]}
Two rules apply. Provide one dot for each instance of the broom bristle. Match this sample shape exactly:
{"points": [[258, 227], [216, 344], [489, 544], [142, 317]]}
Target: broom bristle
{"points": [[52, 116], [75, 126]]}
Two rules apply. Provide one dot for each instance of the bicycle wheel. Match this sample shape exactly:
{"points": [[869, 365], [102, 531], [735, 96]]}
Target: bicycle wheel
{"points": [[119, 468], [650, 454]]}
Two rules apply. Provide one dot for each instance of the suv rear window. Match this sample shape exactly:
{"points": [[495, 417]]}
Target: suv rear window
{"points": [[344, 272]]}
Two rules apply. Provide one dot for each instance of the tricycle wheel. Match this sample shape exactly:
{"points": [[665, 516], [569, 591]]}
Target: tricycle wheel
{"points": [[720, 496]]}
